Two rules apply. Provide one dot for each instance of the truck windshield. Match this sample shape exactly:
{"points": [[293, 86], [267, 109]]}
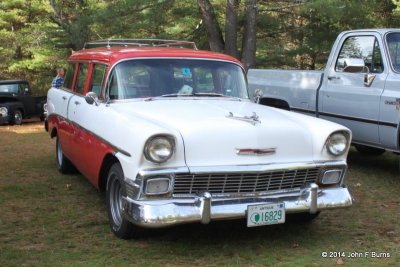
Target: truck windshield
{"points": [[393, 42], [8, 88], [176, 78]]}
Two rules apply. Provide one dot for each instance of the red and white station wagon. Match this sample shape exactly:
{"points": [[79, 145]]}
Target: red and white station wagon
{"points": [[172, 137]]}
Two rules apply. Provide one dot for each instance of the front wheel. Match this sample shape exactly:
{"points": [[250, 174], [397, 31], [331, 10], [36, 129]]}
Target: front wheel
{"points": [[116, 189], [16, 118]]}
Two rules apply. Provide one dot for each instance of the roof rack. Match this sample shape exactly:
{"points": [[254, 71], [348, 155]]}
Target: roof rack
{"points": [[141, 43]]}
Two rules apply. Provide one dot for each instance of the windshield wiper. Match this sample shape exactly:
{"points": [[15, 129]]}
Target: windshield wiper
{"points": [[208, 94], [176, 95]]}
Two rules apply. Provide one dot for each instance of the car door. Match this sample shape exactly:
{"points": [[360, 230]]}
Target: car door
{"points": [[353, 86], [88, 149], [58, 100]]}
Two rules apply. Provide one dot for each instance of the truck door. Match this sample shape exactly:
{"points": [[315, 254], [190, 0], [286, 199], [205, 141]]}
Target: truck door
{"points": [[353, 86], [25, 96]]}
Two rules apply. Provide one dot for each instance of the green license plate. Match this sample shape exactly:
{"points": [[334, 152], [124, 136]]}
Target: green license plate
{"points": [[265, 214]]}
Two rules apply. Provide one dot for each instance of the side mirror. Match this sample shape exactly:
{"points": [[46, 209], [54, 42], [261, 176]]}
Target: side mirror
{"points": [[257, 95], [354, 65], [26, 91], [91, 97]]}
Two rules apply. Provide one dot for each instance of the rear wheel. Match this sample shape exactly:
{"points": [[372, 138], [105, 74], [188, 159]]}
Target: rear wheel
{"points": [[63, 164], [116, 189], [16, 118], [372, 151]]}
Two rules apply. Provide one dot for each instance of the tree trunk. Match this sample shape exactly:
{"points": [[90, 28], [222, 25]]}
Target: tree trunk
{"points": [[214, 33], [249, 35], [231, 22]]}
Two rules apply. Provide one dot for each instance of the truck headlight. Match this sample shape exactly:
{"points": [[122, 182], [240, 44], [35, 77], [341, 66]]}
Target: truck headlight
{"points": [[337, 143], [3, 111], [159, 148]]}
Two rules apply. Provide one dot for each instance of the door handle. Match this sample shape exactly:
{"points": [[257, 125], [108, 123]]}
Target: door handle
{"points": [[333, 77], [77, 103], [64, 98]]}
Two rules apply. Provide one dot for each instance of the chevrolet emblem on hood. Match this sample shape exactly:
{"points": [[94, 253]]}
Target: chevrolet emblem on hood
{"points": [[260, 152]]}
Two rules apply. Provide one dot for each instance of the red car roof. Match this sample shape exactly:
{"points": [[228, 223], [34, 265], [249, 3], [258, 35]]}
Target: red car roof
{"points": [[116, 53]]}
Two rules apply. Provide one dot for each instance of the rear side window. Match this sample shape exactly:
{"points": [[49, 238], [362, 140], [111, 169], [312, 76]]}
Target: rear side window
{"points": [[96, 82], [82, 74], [69, 76]]}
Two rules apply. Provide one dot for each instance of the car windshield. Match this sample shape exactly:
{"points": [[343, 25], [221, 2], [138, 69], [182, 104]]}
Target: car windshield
{"points": [[8, 88], [176, 78], [393, 42]]}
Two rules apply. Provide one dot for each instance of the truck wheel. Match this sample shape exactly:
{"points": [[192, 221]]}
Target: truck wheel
{"points": [[116, 189], [372, 151], [16, 118], [64, 166]]}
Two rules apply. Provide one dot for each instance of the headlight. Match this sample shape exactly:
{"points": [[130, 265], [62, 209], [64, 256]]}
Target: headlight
{"points": [[3, 111], [337, 143], [159, 149]]}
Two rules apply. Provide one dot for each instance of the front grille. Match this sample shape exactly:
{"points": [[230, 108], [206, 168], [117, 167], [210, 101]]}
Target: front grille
{"points": [[222, 183]]}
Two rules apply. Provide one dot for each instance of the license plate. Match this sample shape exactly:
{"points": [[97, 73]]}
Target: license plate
{"points": [[265, 214]]}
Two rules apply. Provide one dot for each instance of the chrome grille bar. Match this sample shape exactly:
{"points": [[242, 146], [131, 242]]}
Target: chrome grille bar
{"points": [[221, 183]]}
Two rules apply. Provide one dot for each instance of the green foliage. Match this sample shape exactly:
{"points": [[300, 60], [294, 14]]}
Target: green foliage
{"points": [[38, 35]]}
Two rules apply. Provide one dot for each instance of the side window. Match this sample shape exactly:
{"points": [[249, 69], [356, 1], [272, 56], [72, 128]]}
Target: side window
{"points": [[96, 82], [82, 74], [377, 62], [69, 75], [360, 50]]}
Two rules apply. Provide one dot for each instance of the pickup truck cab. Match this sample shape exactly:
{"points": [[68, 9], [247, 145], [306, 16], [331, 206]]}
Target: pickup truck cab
{"points": [[359, 88], [17, 102]]}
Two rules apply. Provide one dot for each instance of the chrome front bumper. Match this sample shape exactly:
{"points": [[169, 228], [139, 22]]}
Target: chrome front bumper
{"points": [[204, 208]]}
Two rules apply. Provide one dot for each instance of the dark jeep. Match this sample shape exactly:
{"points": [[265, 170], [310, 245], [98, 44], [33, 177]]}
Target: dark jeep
{"points": [[17, 102]]}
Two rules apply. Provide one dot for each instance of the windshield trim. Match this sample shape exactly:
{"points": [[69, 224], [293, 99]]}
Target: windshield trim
{"points": [[389, 58], [106, 91]]}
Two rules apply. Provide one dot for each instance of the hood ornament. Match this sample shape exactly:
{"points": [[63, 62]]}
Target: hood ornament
{"points": [[253, 119]]}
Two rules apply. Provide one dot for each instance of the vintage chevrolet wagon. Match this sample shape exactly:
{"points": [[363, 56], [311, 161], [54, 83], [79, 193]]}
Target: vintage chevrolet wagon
{"points": [[172, 137]]}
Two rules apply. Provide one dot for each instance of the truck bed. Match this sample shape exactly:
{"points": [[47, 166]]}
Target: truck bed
{"points": [[297, 87]]}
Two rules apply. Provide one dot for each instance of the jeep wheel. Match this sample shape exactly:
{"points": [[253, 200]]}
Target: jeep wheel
{"points": [[16, 118], [116, 189], [64, 166], [371, 151]]}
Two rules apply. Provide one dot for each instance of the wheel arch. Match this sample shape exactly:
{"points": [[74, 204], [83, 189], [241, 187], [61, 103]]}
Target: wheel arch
{"points": [[108, 161], [275, 102]]}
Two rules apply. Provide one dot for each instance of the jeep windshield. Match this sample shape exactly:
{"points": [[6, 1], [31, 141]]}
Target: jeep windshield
{"points": [[8, 88], [176, 78]]}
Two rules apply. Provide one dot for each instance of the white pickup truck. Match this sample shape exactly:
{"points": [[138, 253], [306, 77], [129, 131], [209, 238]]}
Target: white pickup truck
{"points": [[359, 88]]}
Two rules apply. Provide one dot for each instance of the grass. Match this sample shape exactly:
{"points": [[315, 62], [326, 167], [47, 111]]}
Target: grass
{"points": [[49, 219]]}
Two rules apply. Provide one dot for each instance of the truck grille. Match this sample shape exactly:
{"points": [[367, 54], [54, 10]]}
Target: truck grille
{"points": [[243, 182]]}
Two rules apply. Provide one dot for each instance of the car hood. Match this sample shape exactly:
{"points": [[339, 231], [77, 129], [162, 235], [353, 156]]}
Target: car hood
{"points": [[213, 130]]}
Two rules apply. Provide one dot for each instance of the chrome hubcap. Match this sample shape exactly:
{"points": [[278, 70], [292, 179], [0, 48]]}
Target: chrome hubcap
{"points": [[17, 117], [116, 200], [59, 153]]}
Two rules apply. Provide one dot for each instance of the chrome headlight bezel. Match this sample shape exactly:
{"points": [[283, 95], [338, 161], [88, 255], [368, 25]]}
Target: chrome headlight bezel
{"points": [[338, 143], [3, 111], [159, 142]]}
